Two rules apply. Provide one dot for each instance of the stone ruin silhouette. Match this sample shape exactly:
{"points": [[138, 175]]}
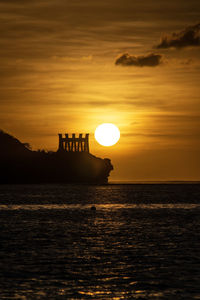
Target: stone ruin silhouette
{"points": [[74, 144]]}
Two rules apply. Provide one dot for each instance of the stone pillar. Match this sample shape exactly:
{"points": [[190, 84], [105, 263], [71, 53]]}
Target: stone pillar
{"points": [[66, 142], [80, 145], [73, 142], [86, 142], [60, 142]]}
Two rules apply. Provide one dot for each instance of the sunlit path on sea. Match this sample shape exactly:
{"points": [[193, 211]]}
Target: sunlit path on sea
{"points": [[98, 207]]}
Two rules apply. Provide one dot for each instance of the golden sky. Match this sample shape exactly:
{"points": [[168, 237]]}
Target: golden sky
{"points": [[68, 66]]}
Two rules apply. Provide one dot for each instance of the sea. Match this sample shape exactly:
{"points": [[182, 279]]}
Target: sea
{"points": [[115, 241]]}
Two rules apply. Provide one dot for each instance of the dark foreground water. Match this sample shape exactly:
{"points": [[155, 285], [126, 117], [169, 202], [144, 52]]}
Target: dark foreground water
{"points": [[142, 242]]}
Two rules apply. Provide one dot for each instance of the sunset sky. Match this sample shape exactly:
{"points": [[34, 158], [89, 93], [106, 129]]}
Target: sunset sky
{"points": [[68, 66]]}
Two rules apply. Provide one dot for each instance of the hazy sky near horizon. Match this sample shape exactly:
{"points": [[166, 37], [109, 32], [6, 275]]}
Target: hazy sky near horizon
{"points": [[68, 66]]}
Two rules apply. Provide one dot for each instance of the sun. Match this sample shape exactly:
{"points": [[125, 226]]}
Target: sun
{"points": [[107, 134]]}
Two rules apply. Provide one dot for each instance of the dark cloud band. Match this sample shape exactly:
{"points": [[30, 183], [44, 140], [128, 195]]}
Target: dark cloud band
{"points": [[150, 60], [188, 37]]}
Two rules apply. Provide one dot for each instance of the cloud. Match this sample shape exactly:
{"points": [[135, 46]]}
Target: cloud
{"points": [[188, 37], [150, 60]]}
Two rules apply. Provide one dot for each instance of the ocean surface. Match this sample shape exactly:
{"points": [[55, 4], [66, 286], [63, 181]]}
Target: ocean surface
{"points": [[142, 242]]}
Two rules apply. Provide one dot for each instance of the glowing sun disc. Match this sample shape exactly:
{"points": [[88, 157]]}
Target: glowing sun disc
{"points": [[107, 134]]}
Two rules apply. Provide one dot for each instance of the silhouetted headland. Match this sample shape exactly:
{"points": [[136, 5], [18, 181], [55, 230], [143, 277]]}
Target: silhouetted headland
{"points": [[72, 163]]}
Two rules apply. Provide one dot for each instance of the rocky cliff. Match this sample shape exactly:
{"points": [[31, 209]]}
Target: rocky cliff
{"points": [[19, 164]]}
